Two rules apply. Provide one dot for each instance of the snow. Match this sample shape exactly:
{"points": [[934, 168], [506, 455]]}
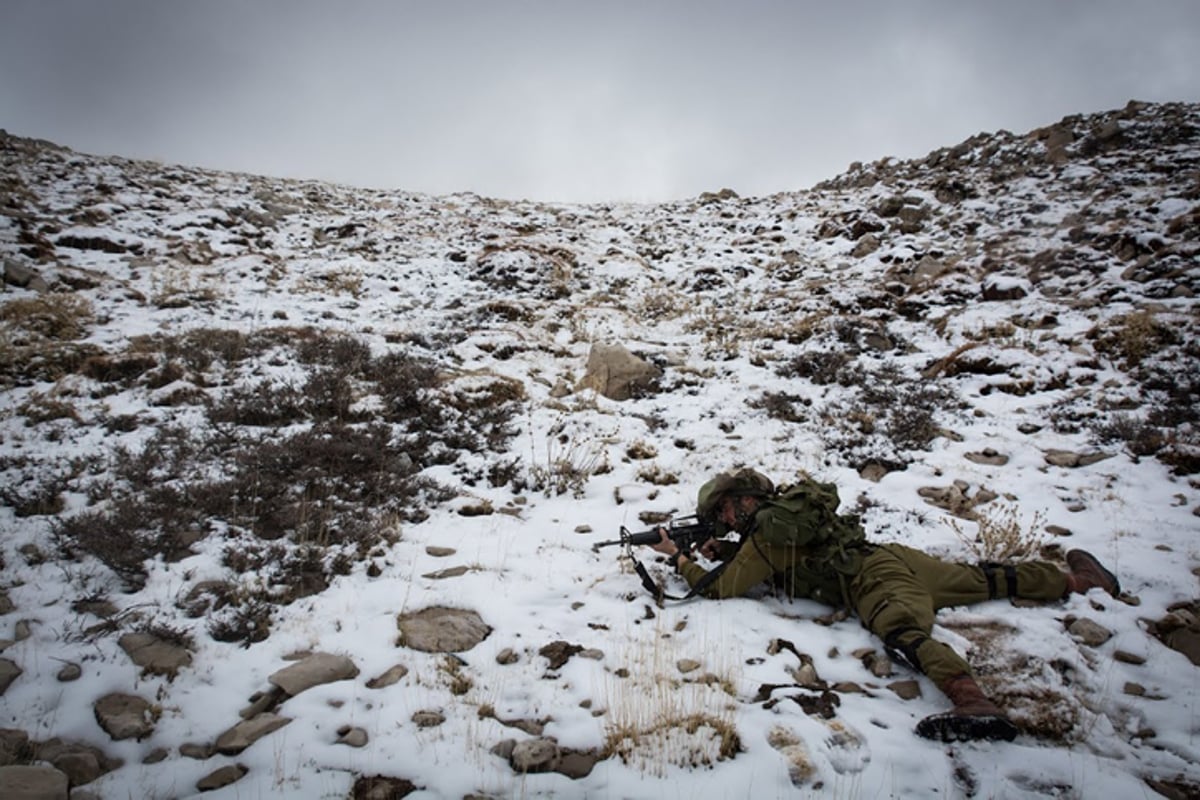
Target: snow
{"points": [[531, 572]]}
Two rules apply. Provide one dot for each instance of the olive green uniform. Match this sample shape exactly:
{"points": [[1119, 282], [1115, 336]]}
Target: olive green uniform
{"points": [[895, 590]]}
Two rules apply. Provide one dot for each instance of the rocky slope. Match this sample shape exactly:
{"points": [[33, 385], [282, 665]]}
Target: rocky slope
{"points": [[226, 396]]}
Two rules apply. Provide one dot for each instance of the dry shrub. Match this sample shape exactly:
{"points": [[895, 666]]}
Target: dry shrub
{"points": [[1134, 337], [57, 317], [688, 741], [1000, 534]]}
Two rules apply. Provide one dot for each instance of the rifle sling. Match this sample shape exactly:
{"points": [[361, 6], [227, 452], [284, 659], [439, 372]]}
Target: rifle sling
{"points": [[708, 580]]}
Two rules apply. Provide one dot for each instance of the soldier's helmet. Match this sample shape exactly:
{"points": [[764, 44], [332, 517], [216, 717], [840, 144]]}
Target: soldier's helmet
{"points": [[739, 483]]}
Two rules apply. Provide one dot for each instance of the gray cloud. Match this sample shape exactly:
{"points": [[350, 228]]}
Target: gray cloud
{"points": [[570, 100]]}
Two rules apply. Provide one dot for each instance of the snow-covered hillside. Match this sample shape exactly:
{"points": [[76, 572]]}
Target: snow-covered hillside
{"points": [[260, 437]]}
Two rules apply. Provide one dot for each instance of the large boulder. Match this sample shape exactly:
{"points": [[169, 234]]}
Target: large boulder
{"points": [[616, 373], [33, 783], [438, 629]]}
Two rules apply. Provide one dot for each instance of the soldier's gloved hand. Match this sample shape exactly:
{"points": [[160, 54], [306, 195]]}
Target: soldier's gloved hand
{"points": [[711, 550]]}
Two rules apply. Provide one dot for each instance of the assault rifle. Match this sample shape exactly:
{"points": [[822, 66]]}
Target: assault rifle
{"points": [[685, 536]]}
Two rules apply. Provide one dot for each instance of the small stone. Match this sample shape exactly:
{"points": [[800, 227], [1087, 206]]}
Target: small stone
{"points": [[534, 755], [22, 630], [156, 756], [428, 719], [125, 716], [222, 777], [440, 552], [450, 572], [805, 675], [906, 690], [1134, 689], [507, 656], [354, 737], [592, 654], [393, 675], [583, 529], [198, 751], [70, 672], [686, 665], [1089, 632], [1128, 658], [988, 457], [1058, 530]]}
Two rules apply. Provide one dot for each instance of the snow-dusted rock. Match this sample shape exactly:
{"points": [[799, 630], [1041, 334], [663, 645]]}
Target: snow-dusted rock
{"points": [[314, 670]]}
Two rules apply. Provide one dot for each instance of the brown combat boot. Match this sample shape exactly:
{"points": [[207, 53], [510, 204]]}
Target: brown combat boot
{"points": [[1087, 573], [973, 716]]}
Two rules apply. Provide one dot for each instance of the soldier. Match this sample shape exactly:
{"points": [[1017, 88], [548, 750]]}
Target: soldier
{"points": [[794, 538]]}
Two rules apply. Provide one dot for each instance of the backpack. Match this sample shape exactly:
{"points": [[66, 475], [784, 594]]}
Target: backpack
{"points": [[806, 515]]}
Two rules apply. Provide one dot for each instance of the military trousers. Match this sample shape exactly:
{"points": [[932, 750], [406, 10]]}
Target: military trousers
{"points": [[899, 591]]}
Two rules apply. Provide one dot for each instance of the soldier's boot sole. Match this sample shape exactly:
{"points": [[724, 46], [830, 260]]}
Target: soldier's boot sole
{"points": [[954, 727]]}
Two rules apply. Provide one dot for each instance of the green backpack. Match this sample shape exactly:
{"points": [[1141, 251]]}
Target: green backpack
{"points": [[806, 514]]}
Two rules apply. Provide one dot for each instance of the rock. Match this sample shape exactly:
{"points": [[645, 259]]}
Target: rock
{"points": [[440, 552], [449, 572], [157, 756], [315, 670], [198, 751], [1089, 632], [262, 702], [806, 675], [1134, 689], [1186, 641], [576, 765], [19, 782], [428, 719], [154, 655], [393, 675], [9, 672], [507, 656], [379, 787], [354, 737], [222, 777], [1129, 658], [70, 672], [6, 605], [1070, 460], [616, 373], [244, 734], [534, 755], [988, 457], [997, 289], [906, 690], [686, 665], [125, 716], [24, 277], [559, 653], [438, 629], [14, 746], [81, 763]]}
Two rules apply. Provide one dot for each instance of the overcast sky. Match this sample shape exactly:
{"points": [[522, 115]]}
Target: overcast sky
{"points": [[603, 100]]}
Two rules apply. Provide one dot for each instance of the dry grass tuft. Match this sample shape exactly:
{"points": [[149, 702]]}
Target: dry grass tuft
{"points": [[1001, 536]]}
